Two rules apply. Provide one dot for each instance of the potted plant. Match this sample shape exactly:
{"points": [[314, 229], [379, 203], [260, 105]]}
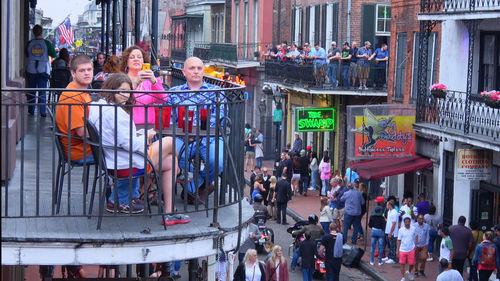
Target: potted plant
{"points": [[438, 90], [491, 98]]}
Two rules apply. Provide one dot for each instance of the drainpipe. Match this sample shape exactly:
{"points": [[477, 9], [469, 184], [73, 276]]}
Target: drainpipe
{"points": [[348, 21], [154, 31]]}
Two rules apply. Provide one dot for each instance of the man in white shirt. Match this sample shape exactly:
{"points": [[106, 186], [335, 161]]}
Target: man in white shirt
{"points": [[448, 274], [391, 231], [407, 239]]}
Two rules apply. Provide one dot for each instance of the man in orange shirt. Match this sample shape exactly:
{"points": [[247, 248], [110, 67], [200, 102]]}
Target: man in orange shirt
{"points": [[72, 109]]}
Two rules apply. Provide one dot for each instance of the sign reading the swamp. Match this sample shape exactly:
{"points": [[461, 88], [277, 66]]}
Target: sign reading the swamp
{"points": [[315, 119], [381, 131]]}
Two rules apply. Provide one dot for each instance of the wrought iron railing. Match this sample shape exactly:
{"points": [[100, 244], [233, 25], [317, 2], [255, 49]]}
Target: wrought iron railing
{"points": [[450, 6], [30, 162], [230, 53], [302, 74], [451, 113]]}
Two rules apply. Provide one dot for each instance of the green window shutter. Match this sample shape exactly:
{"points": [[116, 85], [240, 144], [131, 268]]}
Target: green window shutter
{"points": [[368, 24], [301, 31], [401, 60], [317, 14], [293, 25], [323, 25], [335, 25], [308, 24]]}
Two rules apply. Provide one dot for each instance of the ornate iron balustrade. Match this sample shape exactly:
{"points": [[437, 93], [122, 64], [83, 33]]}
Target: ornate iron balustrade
{"points": [[228, 52], [451, 113], [178, 54], [33, 192], [451, 6]]}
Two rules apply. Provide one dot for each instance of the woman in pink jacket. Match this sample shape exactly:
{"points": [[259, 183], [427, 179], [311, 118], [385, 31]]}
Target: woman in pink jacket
{"points": [[325, 175], [133, 59]]}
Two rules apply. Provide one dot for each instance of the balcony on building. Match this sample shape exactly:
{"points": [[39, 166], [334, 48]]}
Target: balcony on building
{"points": [[41, 227], [233, 55], [458, 9], [300, 77], [460, 117], [186, 29]]}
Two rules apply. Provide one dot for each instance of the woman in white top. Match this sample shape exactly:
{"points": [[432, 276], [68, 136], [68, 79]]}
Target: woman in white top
{"points": [[314, 166], [250, 269], [128, 142]]}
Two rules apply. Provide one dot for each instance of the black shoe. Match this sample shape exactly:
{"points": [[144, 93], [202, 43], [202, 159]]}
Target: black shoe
{"points": [[31, 113], [285, 223], [43, 115]]}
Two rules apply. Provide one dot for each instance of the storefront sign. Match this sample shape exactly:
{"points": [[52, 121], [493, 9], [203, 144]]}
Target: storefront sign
{"points": [[473, 165], [381, 131], [315, 119]]}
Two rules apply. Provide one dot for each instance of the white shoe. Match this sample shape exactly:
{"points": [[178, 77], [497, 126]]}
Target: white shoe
{"points": [[390, 261], [430, 259], [360, 88], [403, 279], [385, 259], [311, 188], [380, 263], [371, 263], [410, 276]]}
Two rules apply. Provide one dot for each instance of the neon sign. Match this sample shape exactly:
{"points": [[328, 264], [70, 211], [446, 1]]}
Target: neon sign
{"points": [[315, 119]]}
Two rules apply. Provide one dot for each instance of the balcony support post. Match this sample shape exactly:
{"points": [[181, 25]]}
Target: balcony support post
{"points": [[422, 96], [471, 28]]}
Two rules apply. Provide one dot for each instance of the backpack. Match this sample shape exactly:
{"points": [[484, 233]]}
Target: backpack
{"points": [[488, 256]]}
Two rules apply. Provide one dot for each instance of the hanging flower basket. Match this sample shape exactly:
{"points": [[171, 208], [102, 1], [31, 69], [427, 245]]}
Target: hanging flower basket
{"points": [[491, 98], [438, 90]]}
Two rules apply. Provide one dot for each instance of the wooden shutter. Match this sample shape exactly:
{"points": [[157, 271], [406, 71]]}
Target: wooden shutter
{"points": [[335, 24], [368, 24], [293, 26], [323, 25], [308, 24], [317, 14], [401, 60]]}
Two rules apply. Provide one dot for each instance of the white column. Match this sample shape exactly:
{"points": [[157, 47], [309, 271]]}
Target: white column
{"points": [[311, 25], [211, 268], [329, 24], [298, 27]]}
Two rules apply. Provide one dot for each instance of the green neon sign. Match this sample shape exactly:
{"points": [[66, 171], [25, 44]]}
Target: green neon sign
{"points": [[315, 119]]}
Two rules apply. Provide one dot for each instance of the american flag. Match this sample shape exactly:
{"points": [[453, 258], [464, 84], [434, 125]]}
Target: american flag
{"points": [[66, 32]]}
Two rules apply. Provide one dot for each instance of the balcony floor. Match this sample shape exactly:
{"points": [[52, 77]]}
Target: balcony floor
{"points": [[45, 239]]}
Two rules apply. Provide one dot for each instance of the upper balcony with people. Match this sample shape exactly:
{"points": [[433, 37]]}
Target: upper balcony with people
{"points": [[458, 9]]}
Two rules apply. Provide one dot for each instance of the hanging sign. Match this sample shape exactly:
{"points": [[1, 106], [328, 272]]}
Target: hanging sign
{"points": [[315, 119], [473, 164]]}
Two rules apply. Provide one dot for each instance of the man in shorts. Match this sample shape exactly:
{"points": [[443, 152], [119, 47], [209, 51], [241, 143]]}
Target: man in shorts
{"points": [[363, 55], [407, 239], [339, 211]]}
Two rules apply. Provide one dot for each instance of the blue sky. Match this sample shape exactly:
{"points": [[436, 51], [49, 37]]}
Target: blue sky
{"points": [[58, 10]]}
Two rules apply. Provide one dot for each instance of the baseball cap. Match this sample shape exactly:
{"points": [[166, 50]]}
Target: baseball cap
{"points": [[346, 43], [334, 43], [302, 152], [309, 147], [379, 199], [368, 43]]}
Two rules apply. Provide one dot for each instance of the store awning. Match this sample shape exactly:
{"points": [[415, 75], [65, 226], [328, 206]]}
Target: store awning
{"points": [[379, 168]]}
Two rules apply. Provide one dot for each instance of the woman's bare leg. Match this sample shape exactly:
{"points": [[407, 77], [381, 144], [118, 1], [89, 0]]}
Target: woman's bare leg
{"points": [[167, 173]]}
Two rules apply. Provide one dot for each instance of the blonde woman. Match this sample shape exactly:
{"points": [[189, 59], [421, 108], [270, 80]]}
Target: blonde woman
{"points": [[271, 197], [277, 266], [250, 269]]}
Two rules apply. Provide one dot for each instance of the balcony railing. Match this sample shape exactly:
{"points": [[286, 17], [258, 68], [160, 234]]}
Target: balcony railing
{"points": [[229, 53], [302, 75], [30, 156], [452, 6], [451, 114]]}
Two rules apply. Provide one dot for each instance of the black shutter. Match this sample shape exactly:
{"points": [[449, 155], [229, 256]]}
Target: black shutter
{"points": [[323, 25], [301, 31], [335, 24], [317, 14], [368, 24], [293, 26], [308, 24], [414, 82], [401, 60]]}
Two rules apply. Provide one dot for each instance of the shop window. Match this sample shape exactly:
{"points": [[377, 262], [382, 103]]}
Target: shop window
{"points": [[489, 70]]}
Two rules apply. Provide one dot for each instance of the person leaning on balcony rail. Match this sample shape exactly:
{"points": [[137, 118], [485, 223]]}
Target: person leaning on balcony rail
{"points": [[38, 51], [82, 73], [363, 55], [381, 56], [318, 55], [345, 61], [333, 65], [133, 59], [353, 65], [294, 54], [193, 72]]}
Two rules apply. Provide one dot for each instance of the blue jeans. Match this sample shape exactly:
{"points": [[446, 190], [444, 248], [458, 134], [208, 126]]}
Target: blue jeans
{"points": [[303, 184], [88, 160], [345, 75], [432, 239], [331, 72], [259, 161], [37, 80], [326, 226], [314, 178], [325, 186], [356, 222], [391, 254], [378, 236], [333, 269], [295, 257], [191, 154], [175, 267], [122, 189], [307, 274]]}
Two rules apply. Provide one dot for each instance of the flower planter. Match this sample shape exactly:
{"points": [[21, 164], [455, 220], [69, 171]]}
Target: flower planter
{"points": [[439, 94], [491, 103]]}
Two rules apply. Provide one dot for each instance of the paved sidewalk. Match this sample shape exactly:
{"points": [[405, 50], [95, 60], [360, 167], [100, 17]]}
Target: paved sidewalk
{"points": [[302, 206]]}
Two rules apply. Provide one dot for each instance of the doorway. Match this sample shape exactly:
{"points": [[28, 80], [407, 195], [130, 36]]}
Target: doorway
{"points": [[449, 161]]}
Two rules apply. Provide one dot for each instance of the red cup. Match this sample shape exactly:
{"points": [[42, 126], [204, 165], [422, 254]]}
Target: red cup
{"points": [[181, 112], [190, 121], [204, 113], [157, 118], [167, 112]]}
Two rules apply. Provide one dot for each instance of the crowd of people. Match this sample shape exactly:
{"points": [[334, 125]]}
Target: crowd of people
{"points": [[347, 65]]}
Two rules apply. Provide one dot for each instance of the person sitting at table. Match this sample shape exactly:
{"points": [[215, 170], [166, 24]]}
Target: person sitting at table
{"points": [[133, 59], [131, 143], [193, 72]]}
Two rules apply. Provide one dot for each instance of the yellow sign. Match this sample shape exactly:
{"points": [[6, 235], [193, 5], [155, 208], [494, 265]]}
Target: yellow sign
{"points": [[78, 43]]}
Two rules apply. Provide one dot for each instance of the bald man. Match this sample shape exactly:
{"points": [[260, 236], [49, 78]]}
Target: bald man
{"points": [[193, 72]]}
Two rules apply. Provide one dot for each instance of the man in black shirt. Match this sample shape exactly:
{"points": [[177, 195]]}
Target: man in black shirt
{"points": [[331, 246], [288, 167], [283, 195], [353, 66], [346, 56], [304, 173], [307, 250]]}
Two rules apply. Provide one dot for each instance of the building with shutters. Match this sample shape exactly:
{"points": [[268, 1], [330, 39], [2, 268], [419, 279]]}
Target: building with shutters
{"points": [[455, 43]]}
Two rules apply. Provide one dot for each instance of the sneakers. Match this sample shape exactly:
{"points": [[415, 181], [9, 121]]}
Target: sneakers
{"points": [[422, 274], [311, 188], [371, 263], [176, 219], [390, 261], [410, 276], [403, 279], [380, 263], [430, 258], [385, 259], [135, 206], [360, 88]]}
